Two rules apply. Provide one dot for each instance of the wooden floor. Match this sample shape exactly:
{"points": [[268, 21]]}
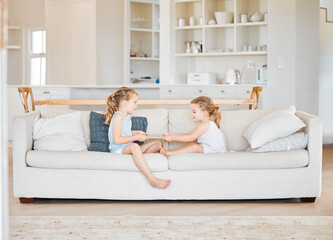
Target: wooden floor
{"points": [[288, 207]]}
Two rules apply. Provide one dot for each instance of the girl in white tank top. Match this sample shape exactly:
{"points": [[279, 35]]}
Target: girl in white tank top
{"points": [[207, 137]]}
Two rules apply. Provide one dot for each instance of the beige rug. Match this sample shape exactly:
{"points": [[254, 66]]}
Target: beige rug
{"points": [[136, 227]]}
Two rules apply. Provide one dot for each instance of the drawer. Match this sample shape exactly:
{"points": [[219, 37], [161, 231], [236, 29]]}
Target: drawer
{"points": [[186, 92], [243, 92], [50, 93], [171, 92], [194, 92], [223, 93]]}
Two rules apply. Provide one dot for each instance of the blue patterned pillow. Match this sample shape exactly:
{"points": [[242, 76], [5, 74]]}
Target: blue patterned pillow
{"points": [[99, 140]]}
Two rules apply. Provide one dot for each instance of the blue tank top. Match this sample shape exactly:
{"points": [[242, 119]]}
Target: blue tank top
{"points": [[125, 132]]}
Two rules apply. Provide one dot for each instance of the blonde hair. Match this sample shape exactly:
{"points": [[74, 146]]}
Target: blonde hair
{"points": [[114, 100], [207, 104]]}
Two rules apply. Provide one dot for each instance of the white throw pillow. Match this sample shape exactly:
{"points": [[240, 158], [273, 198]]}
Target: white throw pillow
{"points": [[272, 126], [294, 141], [62, 133]]}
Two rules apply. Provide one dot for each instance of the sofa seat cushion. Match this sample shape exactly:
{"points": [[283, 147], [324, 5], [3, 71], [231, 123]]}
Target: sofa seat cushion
{"points": [[239, 160], [93, 160]]}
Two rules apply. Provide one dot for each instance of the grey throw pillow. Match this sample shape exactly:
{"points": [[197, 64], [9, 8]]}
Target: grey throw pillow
{"points": [[99, 140], [294, 141]]}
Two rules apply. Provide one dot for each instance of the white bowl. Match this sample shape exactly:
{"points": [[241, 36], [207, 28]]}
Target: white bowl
{"points": [[224, 17]]}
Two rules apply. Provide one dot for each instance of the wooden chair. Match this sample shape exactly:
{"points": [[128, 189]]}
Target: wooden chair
{"points": [[255, 96], [25, 92]]}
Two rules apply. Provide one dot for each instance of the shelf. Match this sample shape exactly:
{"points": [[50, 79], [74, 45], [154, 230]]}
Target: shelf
{"points": [[251, 24], [189, 27], [220, 25], [13, 47], [144, 59], [146, 1], [143, 30], [14, 28], [254, 53], [186, 1]]}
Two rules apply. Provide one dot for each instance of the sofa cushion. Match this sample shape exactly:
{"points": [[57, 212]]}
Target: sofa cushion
{"points": [[297, 140], [98, 133], [61, 133], [139, 124], [239, 160], [157, 120], [272, 126], [51, 111], [93, 160]]}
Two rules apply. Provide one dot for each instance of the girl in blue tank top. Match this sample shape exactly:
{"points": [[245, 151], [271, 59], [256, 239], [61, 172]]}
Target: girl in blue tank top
{"points": [[120, 106]]}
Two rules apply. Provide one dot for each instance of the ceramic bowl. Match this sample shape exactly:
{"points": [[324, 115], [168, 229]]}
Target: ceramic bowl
{"points": [[224, 17]]}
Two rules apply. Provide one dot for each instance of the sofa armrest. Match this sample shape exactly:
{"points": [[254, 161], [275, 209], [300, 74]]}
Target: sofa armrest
{"points": [[315, 138], [22, 138]]}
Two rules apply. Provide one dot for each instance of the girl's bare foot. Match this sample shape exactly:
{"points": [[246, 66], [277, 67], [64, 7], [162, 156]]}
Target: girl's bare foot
{"points": [[160, 183], [163, 151]]}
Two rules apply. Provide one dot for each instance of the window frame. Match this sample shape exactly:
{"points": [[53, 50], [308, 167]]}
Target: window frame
{"points": [[28, 55]]}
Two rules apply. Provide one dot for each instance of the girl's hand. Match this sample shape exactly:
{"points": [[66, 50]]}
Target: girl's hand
{"points": [[141, 137], [167, 138]]}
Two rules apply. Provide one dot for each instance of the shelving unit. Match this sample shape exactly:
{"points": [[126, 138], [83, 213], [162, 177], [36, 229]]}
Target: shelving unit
{"points": [[142, 37], [220, 42], [14, 37]]}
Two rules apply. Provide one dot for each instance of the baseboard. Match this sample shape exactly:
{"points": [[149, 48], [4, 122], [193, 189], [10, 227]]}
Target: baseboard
{"points": [[328, 139]]}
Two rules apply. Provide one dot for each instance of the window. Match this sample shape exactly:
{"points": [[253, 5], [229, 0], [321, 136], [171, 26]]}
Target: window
{"points": [[36, 56]]}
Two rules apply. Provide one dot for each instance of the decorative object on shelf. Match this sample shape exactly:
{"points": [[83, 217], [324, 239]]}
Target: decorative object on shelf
{"points": [[256, 17], [200, 20], [248, 75], [181, 22], [244, 49], [262, 74], [250, 48], [193, 47], [232, 76], [244, 18], [224, 17], [211, 22], [264, 47], [192, 21], [201, 78]]}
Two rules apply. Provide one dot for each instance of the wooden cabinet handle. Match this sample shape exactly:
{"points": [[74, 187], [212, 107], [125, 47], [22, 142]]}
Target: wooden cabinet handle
{"points": [[170, 90], [222, 91], [200, 91], [247, 91]]}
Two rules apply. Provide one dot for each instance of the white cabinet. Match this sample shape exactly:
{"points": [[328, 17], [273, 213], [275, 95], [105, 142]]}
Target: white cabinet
{"points": [[142, 41], [71, 41], [214, 92]]}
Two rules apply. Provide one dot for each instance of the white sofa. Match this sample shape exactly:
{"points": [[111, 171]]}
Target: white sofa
{"points": [[232, 175]]}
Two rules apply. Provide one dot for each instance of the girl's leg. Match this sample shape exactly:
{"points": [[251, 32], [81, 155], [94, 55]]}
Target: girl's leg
{"points": [[141, 163], [192, 147], [151, 147]]}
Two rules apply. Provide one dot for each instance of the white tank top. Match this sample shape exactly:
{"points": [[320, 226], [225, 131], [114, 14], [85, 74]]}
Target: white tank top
{"points": [[213, 140]]}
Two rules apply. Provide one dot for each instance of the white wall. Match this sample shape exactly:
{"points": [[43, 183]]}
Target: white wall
{"points": [[326, 76], [293, 58], [110, 42], [307, 56], [281, 44], [21, 13]]}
